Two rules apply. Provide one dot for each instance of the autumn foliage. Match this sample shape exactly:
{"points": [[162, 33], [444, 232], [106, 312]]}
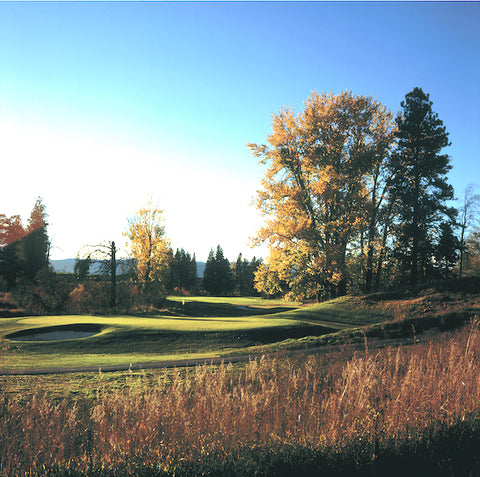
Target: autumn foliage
{"points": [[316, 193], [354, 200], [151, 249]]}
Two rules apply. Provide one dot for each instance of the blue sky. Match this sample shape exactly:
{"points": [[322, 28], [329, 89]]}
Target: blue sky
{"points": [[105, 103]]}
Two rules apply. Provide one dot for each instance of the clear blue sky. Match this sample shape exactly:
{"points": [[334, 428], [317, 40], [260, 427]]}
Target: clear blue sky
{"points": [[104, 104]]}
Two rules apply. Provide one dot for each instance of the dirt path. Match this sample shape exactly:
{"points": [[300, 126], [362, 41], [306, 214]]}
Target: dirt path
{"points": [[183, 363]]}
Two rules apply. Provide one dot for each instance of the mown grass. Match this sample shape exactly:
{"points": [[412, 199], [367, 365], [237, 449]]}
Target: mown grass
{"points": [[201, 327], [393, 411], [156, 336], [194, 327]]}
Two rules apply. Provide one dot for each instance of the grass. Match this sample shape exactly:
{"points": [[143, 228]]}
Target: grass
{"points": [[168, 335], [395, 411], [204, 327], [341, 313]]}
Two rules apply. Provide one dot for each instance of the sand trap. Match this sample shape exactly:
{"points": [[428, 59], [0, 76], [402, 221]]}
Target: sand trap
{"points": [[55, 333]]}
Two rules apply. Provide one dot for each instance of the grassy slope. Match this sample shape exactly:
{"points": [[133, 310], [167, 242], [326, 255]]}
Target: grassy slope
{"points": [[437, 450]]}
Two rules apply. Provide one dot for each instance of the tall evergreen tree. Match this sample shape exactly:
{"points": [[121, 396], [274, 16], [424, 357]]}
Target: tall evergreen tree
{"points": [[446, 252], [419, 184], [244, 274], [217, 277], [36, 243], [184, 271]]}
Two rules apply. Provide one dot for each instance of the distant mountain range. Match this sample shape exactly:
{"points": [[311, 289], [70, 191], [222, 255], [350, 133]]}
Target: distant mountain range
{"points": [[67, 265]]}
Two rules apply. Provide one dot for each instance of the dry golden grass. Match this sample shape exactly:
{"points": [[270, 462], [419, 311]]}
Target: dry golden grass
{"points": [[376, 400]]}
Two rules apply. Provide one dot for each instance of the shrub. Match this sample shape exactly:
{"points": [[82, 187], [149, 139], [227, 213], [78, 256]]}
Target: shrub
{"points": [[49, 294], [90, 297]]}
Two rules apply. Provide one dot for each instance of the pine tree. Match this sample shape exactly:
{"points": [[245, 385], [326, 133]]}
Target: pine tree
{"points": [[217, 277], [446, 252], [209, 274], [244, 274], [184, 271], [419, 184], [36, 243]]}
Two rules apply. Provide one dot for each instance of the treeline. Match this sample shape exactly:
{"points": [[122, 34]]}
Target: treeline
{"points": [[102, 281], [355, 200], [224, 278]]}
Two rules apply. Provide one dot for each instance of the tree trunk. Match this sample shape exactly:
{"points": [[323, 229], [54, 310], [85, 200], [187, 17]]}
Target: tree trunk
{"points": [[381, 255], [113, 276]]}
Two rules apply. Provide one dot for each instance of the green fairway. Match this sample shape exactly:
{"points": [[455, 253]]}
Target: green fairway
{"points": [[152, 337], [193, 327]]}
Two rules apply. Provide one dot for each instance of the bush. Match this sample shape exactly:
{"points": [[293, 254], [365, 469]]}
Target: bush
{"points": [[49, 294], [89, 297]]}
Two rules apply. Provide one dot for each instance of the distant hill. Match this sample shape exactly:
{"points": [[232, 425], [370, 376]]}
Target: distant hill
{"points": [[67, 265], [63, 266]]}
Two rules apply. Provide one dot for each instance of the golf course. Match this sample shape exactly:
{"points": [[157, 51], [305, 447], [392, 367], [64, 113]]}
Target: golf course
{"points": [[187, 328]]}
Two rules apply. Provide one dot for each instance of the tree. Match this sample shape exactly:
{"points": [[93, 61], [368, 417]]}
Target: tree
{"points": [[217, 277], [316, 188], [150, 249], [472, 254], [468, 218], [268, 282], [184, 271], [446, 252], [378, 187], [36, 243], [11, 249], [82, 267], [243, 275], [106, 256], [49, 293], [419, 184]]}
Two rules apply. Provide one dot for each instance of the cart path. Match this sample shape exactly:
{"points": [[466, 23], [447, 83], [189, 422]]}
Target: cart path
{"points": [[184, 363]]}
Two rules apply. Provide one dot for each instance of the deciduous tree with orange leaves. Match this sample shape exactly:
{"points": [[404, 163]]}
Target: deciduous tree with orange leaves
{"points": [[317, 190], [150, 249]]}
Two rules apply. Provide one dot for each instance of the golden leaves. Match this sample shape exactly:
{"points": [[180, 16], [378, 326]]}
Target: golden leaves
{"points": [[315, 189], [149, 246]]}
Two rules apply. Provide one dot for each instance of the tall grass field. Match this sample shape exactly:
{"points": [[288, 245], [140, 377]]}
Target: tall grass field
{"points": [[411, 409]]}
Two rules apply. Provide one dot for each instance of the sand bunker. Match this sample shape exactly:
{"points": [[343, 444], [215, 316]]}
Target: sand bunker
{"points": [[55, 333]]}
